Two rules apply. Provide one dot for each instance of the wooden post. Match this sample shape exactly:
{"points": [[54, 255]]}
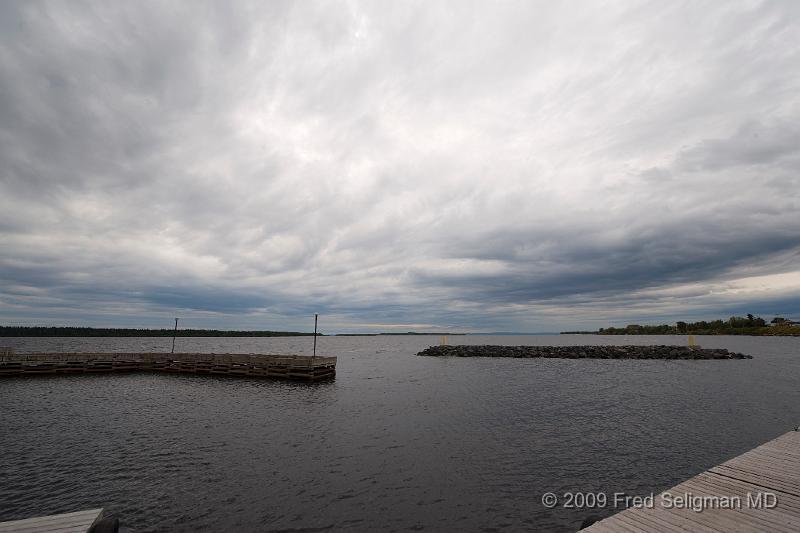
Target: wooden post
{"points": [[174, 332], [314, 353]]}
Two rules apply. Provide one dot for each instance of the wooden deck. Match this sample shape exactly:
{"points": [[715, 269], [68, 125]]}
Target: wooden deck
{"points": [[754, 492], [78, 522], [300, 367]]}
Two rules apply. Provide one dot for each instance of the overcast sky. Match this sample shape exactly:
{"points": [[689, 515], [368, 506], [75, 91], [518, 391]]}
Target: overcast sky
{"points": [[475, 166]]}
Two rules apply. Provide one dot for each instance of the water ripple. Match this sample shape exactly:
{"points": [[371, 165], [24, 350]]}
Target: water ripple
{"points": [[395, 443]]}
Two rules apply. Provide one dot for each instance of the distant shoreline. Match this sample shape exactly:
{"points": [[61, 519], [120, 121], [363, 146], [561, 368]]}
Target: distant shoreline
{"points": [[755, 331], [66, 331], [710, 333], [41, 331], [389, 334]]}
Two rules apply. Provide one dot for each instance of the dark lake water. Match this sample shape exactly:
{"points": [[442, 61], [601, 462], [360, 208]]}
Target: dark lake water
{"points": [[395, 443]]}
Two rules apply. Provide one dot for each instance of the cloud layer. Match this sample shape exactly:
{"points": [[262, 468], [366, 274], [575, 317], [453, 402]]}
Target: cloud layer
{"points": [[517, 166]]}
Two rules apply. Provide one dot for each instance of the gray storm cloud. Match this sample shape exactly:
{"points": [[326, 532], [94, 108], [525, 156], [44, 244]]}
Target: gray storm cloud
{"points": [[517, 166]]}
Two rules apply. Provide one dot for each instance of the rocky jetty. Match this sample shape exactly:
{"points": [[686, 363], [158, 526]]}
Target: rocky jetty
{"points": [[584, 352]]}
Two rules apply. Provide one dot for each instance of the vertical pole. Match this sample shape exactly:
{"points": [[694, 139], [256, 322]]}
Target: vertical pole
{"points": [[315, 338], [174, 332]]}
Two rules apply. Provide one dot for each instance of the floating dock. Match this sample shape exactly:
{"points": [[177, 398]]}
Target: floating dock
{"points": [[754, 492], [298, 367], [78, 522]]}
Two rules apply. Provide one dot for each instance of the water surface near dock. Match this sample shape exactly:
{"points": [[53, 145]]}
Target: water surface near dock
{"points": [[395, 442]]}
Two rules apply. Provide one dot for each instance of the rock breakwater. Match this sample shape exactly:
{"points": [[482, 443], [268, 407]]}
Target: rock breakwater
{"points": [[584, 352]]}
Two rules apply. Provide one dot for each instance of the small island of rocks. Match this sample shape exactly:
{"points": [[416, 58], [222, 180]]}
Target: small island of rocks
{"points": [[584, 352]]}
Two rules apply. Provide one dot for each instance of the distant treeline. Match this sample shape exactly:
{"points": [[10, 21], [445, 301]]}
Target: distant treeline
{"points": [[735, 325], [40, 331]]}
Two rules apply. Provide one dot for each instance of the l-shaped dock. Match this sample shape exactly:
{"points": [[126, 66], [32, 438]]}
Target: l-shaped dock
{"points": [[298, 367]]}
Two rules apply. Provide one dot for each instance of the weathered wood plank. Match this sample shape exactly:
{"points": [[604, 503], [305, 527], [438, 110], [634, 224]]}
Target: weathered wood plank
{"points": [[764, 519], [762, 480], [742, 488], [79, 521], [683, 519]]}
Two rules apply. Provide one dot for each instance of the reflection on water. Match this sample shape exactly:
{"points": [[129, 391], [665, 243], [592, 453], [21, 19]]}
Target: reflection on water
{"points": [[396, 442]]}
